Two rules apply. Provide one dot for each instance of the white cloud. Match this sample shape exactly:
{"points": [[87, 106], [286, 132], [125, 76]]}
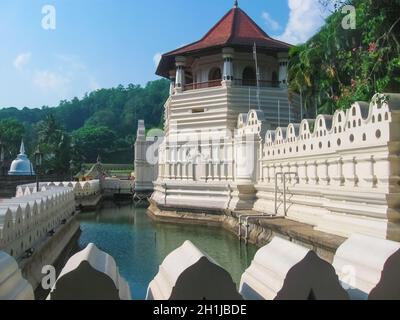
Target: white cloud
{"points": [[22, 60], [157, 58], [271, 23], [48, 80], [68, 75], [305, 19], [93, 84]]}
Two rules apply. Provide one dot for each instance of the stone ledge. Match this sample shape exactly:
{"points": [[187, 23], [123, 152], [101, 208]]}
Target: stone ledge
{"points": [[170, 215], [304, 232], [260, 231]]}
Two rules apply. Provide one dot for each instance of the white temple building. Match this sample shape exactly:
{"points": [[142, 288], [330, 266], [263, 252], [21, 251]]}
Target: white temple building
{"points": [[214, 79], [21, 166], [225, 153], [234, 68]]}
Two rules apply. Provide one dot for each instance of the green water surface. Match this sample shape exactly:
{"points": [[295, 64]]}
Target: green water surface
{"points": [[139, 245]]}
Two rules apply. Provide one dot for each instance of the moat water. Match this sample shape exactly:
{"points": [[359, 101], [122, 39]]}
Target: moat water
{"points": [[139, 245]]}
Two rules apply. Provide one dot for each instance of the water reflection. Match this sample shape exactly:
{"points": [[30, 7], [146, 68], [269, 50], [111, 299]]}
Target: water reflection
{"points": [[139, 245]]}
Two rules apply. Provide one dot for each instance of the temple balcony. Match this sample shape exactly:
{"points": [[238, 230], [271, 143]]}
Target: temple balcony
{"points": [[235, 83]]}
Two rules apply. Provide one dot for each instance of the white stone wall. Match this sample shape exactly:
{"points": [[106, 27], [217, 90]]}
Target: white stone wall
{"points": [[218, 108], [189, 274], [368, 268], [116, 185], [212, 170], [81, 189], [363, 268], [90, 274], [12, 285], [283, 270], [26, 220], [341, 171], [145, 171], [345, 170]]}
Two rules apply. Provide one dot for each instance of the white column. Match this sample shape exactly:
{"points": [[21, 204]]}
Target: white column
{"points": [[172, 77], [227, 55], [180, 73], [283, 68]]}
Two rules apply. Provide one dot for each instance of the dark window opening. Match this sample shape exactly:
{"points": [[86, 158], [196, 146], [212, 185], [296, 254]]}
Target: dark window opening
{"points": [[215, 74], [249, 77]]}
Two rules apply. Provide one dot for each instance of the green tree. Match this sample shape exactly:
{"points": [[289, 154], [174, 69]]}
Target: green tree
{"points": [[338, 66], [117, 109], [11, 133], [55, 144], [93, 141]]}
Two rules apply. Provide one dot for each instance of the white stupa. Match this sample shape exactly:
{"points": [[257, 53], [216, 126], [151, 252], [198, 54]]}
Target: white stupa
{"points": [[21, 166]]}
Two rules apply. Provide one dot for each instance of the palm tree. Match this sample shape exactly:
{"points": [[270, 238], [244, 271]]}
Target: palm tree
{"points": [[49, 130]]}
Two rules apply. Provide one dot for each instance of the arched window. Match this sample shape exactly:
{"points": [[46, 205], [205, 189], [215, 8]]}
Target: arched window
{"points": [[249, 76], [188, 77], [215, 74]]}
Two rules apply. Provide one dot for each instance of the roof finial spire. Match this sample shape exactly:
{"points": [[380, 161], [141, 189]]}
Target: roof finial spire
{"points": [[236, 4], [22, 148]]}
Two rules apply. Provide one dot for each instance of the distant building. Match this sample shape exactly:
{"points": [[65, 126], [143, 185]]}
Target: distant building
{"points": [[21, 166], [145, 172]]}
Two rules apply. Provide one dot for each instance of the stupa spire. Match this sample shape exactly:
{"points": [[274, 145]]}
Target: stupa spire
{"points": [[22, 148]]}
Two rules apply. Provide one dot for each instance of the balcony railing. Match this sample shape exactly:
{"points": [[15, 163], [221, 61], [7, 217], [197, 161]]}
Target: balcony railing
{"points": [[253, 83], [202, 85], [236, 82]]}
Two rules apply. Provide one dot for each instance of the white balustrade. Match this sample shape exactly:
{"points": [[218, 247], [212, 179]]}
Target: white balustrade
{"points": [[368, 268], [25, 220], [90, 274], [189, 274], [283, 270]]}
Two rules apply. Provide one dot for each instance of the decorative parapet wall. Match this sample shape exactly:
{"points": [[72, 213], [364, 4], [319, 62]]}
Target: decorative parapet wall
{"points": [[366, 267], [369, 268], [283, 270], [26, 220], [90, 274], [81, 189], [188, 274], [342, 171], [12, 285]]}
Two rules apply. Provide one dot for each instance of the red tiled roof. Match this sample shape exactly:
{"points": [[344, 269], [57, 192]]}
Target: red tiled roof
{"points": [[236, 28]]}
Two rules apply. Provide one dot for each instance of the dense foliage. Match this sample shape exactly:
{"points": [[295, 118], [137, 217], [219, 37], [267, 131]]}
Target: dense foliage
{"points": [[11, 132], [333, 69], [339, 66], [103, 123]]}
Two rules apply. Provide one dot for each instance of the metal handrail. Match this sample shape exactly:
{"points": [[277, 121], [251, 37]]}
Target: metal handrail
{"points": [[247, 217], [284, 175]]}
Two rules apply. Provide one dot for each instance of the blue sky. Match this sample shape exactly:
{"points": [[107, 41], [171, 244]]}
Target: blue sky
{"points": [[103, 43]]}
